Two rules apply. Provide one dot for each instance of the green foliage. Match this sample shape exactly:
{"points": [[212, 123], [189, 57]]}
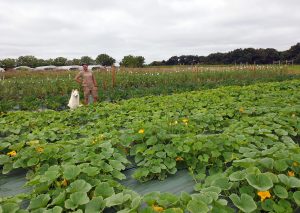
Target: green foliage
{"points": [[240, 145], [244, 203], [86, 60], [52, 89], [132, 61], [105, 60], [8, 63], [29, 61], [60, 61]]}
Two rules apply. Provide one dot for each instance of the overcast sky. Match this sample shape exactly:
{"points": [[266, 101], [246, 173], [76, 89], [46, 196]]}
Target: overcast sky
{"points": [[155, 29]]}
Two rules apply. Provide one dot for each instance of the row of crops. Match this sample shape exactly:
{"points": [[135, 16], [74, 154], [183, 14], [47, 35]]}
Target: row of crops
{"points": [[51, 89], [239, 144]]}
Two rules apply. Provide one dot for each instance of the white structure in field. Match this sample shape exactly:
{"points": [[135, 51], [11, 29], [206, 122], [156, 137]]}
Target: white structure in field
{"points": [[23, 68], [71, 67], [96, 67], [44, 68], [2, 70]]}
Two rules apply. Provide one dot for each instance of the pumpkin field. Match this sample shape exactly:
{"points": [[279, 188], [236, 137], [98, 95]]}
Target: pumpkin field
{"points": [[235, 132], [34, 90]]}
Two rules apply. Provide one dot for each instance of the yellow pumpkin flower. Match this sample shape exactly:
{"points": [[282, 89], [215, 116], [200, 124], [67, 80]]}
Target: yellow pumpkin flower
{"points": [[39, 149], [179, 159], [157, 208], [12, 153], [293, 115], [295, 163], [141, 131], [241, 109], [64, 182], [291, 173], [173, 123], [185, 120], [263, 195]]}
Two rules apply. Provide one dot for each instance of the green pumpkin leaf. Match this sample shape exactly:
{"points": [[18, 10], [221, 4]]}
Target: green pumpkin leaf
{"points": [[206, 197], [116, 199], [245, 163], [9, 207], [161, 154], [281, 165], [104, 190], [4, 159], [296, 197], [56, 209], [281, 132], [91, 171], [155, 169], [222, 183], [118, 175], [79, 198], [280, 191], [292, 182], [218, 207], [173, 210], [79, 186], [69, 204], [244, 203], [197, 206], [185, 197], [50, 176], [152, 140], [212, 189], [117, 165], [140, 172], [267, 162], [32, 161], [135, 203], [272, 176], [59, 199], [247, 190], [167, 199], [261, 182], [238, 176], [39, 201], [96, 205], [70, 172], [7, 168], [267, 205]]}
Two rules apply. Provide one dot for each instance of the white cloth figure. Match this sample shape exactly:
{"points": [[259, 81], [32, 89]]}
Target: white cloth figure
{"points": [[74, 100]]}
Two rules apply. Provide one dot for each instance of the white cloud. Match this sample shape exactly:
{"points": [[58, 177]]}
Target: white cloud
{"points": [[155, 29]]}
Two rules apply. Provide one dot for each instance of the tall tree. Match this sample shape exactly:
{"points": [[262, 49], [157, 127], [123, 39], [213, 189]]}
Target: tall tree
{"points": [[27, 60], [8, 63], [105, 60], [75, 61], [60, 61], [174, 60], [41, 62], [86, 60], [132, 61], [49, 62]]}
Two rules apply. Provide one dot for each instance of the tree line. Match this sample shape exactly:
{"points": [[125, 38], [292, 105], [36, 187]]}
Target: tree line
{"points": [[102, 59], [237, 56]]}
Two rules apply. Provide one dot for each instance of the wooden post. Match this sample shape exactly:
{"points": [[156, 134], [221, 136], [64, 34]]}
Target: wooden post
{"points": [[113, 73], [104, 85]]}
